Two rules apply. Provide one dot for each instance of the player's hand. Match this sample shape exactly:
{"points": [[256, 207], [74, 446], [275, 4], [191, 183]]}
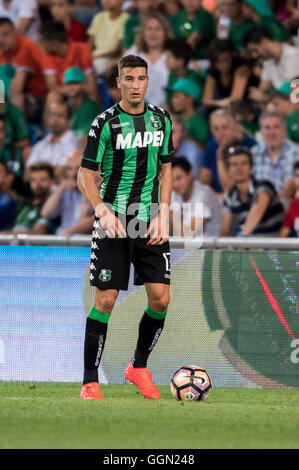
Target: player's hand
{"points": [[110, 224], [158, 230]]}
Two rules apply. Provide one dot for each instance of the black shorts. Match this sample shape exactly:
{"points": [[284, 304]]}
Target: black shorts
{"points": [[111, 259]]}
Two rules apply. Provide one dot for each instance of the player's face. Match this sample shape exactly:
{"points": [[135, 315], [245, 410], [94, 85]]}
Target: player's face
{"points": [[40, 183], [239, 168], [7, 38], [223, 128], [180, 180], [273, 131], [133, 83]]}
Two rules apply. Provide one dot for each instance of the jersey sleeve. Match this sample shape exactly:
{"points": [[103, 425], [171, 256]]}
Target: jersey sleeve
{"points": [[96, 145], [167, 147]]}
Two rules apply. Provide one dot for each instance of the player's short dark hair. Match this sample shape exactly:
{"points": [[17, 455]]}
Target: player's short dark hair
{"points": [[182, 163], [235, 150], [5, 20], [53, 31], [132, 61], [180, 49], [219, 46], [42, 166], [255, 35]]}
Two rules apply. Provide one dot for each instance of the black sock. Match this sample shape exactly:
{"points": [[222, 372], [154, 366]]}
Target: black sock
{"points": [[150, 330], [95, 337]]}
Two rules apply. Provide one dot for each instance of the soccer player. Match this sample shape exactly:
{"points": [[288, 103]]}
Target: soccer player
{"points": [[132, 144]]}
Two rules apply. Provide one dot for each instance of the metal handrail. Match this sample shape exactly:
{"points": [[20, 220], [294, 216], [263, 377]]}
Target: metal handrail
{"points": [[175, 242]]}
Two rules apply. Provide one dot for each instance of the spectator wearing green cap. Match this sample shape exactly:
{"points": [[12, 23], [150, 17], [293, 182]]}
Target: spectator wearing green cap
{"points": [[184, 98], [83, 109], [179, 53]]}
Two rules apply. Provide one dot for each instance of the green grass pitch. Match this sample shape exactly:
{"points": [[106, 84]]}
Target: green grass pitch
{"points": [[51, 415]]}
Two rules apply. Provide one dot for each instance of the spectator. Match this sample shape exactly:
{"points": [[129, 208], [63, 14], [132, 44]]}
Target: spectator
{"points": [[56, 147], [280, 101], [83, 109], [280, 62], [132, 25], [61, 54], [195, 24], [16, 130], [244, 17], [185, 93], [25, 56], [179, 54], [9, 154], [85, 10], [8, 205], [244, 114], [24, 14], [251, 207], [62, 11], [106, 33], [112, 88], [229, 76], [225, 129], [28, 219], [150, 46], [184, 147], [290, 224], [194, 206], [65, 202], [274, 159]]}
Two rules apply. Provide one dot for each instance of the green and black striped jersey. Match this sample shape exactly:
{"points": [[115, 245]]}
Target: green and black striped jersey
{"points": [[129, 149]]}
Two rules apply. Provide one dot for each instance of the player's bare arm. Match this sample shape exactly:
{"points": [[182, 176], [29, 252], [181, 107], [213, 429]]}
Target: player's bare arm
{"points": [[111, 224], [159, 227]]}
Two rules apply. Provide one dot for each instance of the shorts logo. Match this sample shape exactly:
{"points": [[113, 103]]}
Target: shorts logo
{"points": [[105, 275], [155, 122]]}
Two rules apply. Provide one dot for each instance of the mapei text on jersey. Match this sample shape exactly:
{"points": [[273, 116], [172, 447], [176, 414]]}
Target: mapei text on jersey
{"points": [[141, 139]]}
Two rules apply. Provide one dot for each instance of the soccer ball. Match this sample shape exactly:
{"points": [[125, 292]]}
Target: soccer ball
{"points": [[191, 383]]}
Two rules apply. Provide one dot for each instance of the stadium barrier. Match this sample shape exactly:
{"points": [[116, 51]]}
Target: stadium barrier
{"points": [[234, 310]]}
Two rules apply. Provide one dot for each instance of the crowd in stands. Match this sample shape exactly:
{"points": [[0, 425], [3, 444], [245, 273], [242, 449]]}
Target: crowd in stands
{"points": [[226, 70]]}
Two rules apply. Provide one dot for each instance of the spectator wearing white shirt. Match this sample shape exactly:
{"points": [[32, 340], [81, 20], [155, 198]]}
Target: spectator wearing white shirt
{"points": [[149, 45], [24, 14], [280, 62], [57, 146], [195, 207]]}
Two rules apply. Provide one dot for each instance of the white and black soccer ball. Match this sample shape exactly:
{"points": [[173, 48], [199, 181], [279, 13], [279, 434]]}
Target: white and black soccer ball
{"points": [[191, 383]]}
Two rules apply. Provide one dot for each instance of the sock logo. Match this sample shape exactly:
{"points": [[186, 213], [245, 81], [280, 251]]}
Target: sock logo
{"points": [[99, 353], [105, 275], [155, 340]]}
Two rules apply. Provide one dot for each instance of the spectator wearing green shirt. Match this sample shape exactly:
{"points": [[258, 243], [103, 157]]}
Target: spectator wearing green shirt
{"points": [[16, 130], [28, 218], [179, 53], [196, 25], [143, 7], [83, 109], [184, 97], [280, 101]]}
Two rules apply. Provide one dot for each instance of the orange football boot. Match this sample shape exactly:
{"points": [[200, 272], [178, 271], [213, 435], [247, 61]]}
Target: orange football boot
{"points": [[142, 378], [91, 391]]}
